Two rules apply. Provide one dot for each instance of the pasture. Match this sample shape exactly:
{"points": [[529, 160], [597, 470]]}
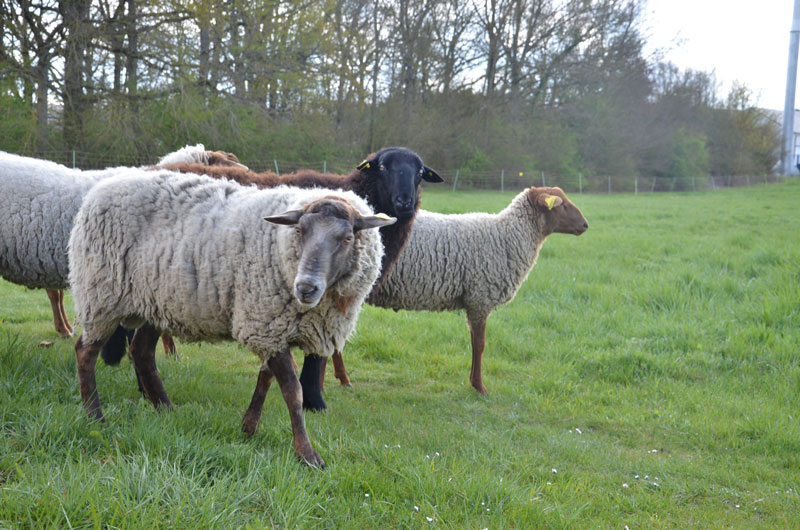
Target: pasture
{"points": [[646, 375]]}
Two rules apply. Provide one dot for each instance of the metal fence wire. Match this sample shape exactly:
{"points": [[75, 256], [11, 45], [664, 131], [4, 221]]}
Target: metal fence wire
{"points": [[455, 179]]}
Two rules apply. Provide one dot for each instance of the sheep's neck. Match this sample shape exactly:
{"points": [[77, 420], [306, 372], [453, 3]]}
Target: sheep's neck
{"points": [[520, 227]]}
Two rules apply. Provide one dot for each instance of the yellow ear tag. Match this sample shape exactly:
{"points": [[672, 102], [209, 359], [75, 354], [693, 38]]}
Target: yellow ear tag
{"points": [[382, 216], [550, 201], [366, 165]]}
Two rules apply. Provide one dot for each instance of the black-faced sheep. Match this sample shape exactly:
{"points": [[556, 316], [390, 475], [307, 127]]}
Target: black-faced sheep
{"points": [[474, 261], [191, 255]]}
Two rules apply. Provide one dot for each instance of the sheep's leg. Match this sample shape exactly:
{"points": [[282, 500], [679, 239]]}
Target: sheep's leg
{"points": [[114, 349], [281, 366], [169, 345], [322, 366], [253, 414], [339, 371], [143, 347], [63, 311], [477, 330], [59, 320], [309, 380], [86, 357]]}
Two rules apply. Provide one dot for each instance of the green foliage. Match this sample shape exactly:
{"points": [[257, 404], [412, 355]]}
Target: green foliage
{"points": [[572, 93], [689, 157], [652, 363], [477, 161], [17, 123]]}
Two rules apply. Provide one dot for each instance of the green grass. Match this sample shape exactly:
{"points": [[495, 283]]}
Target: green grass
{"points": [[661, 347]]}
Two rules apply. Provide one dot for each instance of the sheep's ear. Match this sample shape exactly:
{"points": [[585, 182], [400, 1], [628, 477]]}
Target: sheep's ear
{"points": [[373, 221], [286, 218], [548, 201], [369, 163], [430, 175]]}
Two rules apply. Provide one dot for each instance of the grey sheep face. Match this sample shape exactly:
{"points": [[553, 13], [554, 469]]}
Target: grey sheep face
{"points": [[560, 214], [327, 231], [398, 172]]}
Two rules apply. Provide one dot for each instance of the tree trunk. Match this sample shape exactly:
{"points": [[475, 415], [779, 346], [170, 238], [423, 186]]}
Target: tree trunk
{"points": [[75, 14], [132, 62], [41, 103], [375, 71], [205, 46]]}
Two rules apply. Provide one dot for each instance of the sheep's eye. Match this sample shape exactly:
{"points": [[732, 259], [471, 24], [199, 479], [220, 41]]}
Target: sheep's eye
{"points": [[347, 239], [382, 167]]}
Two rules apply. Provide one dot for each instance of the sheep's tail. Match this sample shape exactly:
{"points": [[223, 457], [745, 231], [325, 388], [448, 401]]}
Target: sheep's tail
{"points": [[114, 350]]}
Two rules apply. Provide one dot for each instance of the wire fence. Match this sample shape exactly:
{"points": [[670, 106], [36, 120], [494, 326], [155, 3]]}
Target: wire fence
{"points": [[455, 179], [504, 180]]}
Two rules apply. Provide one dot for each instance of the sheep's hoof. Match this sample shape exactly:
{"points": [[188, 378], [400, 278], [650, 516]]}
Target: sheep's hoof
{"points": [[314, 403], [478, 386], [311, 458], [249, 425], [312, 398]]}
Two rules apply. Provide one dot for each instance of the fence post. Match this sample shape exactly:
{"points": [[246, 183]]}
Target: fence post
{"points": [[653, 187], [324, 166], [748, 180], [276, 167], [636, 185], [580, 182], [455, 182], [544, 185], [73, 159], [502, 180], [609, 184]]}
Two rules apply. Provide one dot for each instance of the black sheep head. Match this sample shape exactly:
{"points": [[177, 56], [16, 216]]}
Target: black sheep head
{"points": [[398, 172]]}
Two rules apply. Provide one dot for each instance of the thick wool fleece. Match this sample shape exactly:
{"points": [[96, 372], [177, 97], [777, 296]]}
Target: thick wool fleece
{"points": [[38, 201], [193, 256], [186, 155], [474, 261]]}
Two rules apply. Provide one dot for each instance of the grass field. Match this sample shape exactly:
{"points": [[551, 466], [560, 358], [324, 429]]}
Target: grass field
{"points": [[646, 375]]}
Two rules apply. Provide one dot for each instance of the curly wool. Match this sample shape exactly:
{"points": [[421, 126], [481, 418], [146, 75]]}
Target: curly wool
{"points": [[193, 256], [38, 202], [474, 261]]}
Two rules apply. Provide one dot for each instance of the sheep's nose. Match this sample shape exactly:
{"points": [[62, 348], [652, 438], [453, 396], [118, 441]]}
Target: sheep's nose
{"points": [[585, 226], [307, 291], [404, 204]]}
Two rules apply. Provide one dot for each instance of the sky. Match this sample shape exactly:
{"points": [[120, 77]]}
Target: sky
{"points": [[739, 41]]}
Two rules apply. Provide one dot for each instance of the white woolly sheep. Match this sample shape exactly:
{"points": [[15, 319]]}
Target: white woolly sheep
{"points": [[191, 255], [38, 201], [390, 182], [474, 261]]}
